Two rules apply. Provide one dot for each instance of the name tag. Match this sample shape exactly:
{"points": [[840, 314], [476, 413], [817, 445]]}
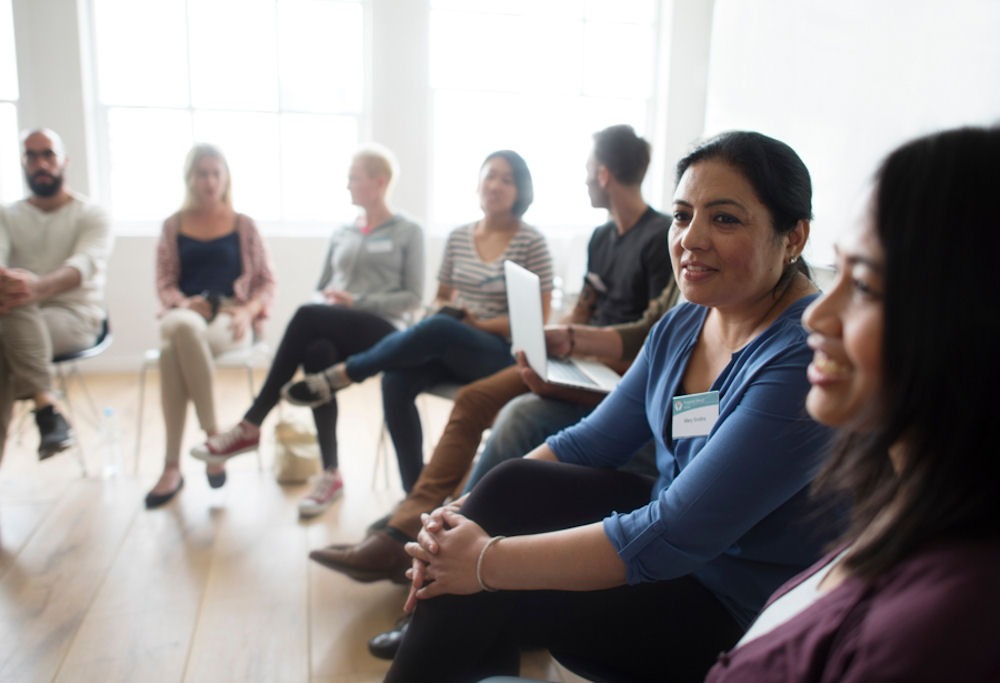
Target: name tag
{"points": [[379, 246], [695, 414]]}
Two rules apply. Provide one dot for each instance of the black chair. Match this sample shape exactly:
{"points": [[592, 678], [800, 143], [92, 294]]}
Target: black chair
{"points": [[66, 368]]}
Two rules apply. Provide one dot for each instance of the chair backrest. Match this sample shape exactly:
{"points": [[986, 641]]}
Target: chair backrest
{"points": [[256, 355], [104, 340]]}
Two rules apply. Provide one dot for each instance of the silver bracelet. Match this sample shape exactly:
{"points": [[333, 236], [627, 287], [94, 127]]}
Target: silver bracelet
{"points": [[479, 563]]}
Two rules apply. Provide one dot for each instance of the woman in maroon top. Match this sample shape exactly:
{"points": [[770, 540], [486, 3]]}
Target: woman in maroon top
{"points": [[906, 364]]}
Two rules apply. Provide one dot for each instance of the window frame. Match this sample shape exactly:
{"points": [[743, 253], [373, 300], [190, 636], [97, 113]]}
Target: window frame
{"points": [[268, 224]]}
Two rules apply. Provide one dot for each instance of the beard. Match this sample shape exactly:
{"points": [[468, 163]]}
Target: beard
{"points": [[42, 189]]}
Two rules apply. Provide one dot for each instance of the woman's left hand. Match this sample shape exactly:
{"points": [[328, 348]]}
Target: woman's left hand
{"points": [[445, 556], [240, 320], [470, 319], [531, 379], [340, 297]]}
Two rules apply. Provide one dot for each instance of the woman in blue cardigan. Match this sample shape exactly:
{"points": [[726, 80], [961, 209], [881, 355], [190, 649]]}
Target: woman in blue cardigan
{"points": [[652, 578]]}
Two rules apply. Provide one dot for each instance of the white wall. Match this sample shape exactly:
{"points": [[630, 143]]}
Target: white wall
{"points": [[51, 50], [844, 82]]}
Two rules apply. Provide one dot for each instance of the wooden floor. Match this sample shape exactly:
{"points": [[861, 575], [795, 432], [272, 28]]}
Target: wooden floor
{"points": [[216, 586]]}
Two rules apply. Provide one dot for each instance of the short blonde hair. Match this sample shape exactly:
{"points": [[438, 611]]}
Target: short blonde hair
{"points": [[378, 160], [200, 151]]}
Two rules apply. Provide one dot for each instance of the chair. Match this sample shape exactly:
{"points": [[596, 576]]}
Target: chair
{"points": [[445, 390], [65, 365], [253, 356]]}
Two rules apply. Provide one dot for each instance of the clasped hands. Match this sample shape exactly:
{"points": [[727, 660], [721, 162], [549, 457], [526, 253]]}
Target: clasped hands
{"points": [[17, 288], [240, 318], [444, 555]]}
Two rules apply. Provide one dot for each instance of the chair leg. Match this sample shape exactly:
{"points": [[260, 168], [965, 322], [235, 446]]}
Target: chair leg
{"points": [[253, 393], [78, 448], [95, 414], [381, 458], [18, 423], [138, 422]]}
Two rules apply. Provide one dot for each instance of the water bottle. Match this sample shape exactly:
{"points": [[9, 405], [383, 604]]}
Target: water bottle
{"points": [[111, 446]]}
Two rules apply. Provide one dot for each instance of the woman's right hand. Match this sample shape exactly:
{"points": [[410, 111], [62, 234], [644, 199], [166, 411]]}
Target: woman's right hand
{"points": [[199, 305], [445, 556], [418, 573]]}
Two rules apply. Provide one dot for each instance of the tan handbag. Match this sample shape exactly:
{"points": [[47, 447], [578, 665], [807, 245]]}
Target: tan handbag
{"points": [[296, 452]]}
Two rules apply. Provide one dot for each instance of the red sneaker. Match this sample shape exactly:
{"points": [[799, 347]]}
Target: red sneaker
{"points": [[224, 445]]}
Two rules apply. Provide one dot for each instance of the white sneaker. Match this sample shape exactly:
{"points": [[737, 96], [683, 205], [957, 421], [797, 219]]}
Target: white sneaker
{"points": [[328, 488]]}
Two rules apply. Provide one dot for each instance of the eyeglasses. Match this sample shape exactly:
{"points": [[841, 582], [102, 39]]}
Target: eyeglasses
{"points": [[31, 156]]}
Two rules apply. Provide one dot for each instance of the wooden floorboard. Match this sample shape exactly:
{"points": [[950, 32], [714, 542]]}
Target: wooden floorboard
{"points": [[215, 586]]}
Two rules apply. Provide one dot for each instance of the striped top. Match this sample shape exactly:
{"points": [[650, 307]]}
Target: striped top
{"points": [[480, 285]]}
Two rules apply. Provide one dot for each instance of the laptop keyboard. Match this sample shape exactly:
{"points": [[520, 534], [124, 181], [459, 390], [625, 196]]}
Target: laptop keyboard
{"points": [[565, 372]]}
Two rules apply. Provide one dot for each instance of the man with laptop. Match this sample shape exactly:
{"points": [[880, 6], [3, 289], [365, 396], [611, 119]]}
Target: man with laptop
{"points": [[628, 269], [527, 332]]}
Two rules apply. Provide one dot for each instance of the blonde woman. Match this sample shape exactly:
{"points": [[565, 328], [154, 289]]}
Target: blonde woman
{"points": [[373, 275], [215, 284], [469, 337]]}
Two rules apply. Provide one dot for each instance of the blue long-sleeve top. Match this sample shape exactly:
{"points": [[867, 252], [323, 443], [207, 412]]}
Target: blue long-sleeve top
{"points": [[730, 508]]}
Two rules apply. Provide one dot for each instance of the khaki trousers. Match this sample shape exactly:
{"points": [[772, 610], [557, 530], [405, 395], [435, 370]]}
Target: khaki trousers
{"points": [[188, 346], [29, 337]]}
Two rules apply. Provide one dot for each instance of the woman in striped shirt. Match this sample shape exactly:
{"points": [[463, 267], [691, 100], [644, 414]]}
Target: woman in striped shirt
{"points": [[469, 336]]}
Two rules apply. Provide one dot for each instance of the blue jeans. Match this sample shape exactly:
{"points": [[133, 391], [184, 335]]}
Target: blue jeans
{"points": [[437, 349], [521, 425], [526, 421], [318, 336]]}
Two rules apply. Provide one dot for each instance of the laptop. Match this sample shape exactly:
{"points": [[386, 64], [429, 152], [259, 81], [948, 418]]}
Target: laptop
{"points": [[527, 332]]}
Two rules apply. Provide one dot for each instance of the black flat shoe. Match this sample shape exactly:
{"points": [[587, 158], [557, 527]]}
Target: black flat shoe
{"points": [[216, 481], [155, 500], [385, 645]]}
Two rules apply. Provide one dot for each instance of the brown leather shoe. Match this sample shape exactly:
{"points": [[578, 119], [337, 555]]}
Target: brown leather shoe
{"points": [[378, 557]]}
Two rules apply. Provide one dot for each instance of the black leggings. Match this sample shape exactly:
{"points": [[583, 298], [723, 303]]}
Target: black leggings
{"points": [[318, 336], [662, 631]]}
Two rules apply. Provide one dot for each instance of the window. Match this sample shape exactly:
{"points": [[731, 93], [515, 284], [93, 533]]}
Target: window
{"points": [[10, 167], [539, 77], [277, 84]]}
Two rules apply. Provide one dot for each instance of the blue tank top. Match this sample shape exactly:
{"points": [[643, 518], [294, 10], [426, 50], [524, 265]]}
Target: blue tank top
{"points": [[209, 265]]}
